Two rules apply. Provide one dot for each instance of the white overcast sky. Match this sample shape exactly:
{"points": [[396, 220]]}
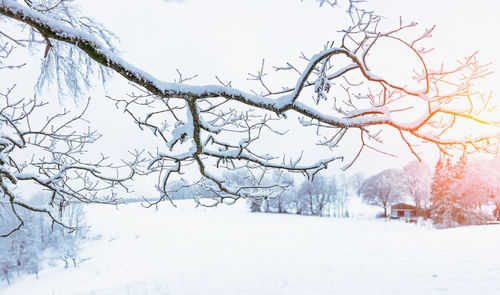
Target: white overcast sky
{"points": [[229, 38]]}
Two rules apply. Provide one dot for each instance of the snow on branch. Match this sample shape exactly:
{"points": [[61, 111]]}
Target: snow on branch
{"points": [[218, 127], [52, 156]]}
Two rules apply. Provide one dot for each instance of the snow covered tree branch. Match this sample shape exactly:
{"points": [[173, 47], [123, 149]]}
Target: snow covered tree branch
{"points": [[51, 155], [218, 127]]}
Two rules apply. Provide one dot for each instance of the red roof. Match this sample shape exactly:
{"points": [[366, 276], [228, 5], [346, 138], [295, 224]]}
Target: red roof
{"points": [[403, 206]]}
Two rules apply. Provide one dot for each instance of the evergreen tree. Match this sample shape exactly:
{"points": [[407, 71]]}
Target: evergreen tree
{"points": [[452, 199], [442, 179], [436, 186], [457, 194]]}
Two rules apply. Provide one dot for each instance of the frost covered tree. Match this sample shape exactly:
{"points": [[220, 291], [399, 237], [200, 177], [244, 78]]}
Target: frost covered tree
{"points": [[23, 252], [299, 203], [317, 195], [281, 202], [356, 181], [489, 175], [481, 182], [459, 195], [340, 200], [20, 252], [416, 179], [383, 189], [480, 186], [442, 180], [336, 93], [454, 198]]}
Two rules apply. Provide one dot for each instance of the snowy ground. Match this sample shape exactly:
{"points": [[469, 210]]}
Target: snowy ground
{"points": [[229, 251]]}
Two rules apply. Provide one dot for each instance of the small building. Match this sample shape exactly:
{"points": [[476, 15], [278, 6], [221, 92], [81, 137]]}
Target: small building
{"points": [[402, 210]]}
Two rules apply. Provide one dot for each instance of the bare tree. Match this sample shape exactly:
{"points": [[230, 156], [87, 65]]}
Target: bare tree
{"points": [[356, 181], [317, 194], [217, 127], [417, 178], [481, 182], [280, 203], [382, 189], [342, 198]]}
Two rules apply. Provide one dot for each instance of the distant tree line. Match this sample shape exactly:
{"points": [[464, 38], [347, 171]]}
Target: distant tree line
{"points": [[452, 195], [321, 196]]}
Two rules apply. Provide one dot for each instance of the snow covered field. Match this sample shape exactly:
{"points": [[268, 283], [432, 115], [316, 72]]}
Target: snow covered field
{"points": [[229, 251]]}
